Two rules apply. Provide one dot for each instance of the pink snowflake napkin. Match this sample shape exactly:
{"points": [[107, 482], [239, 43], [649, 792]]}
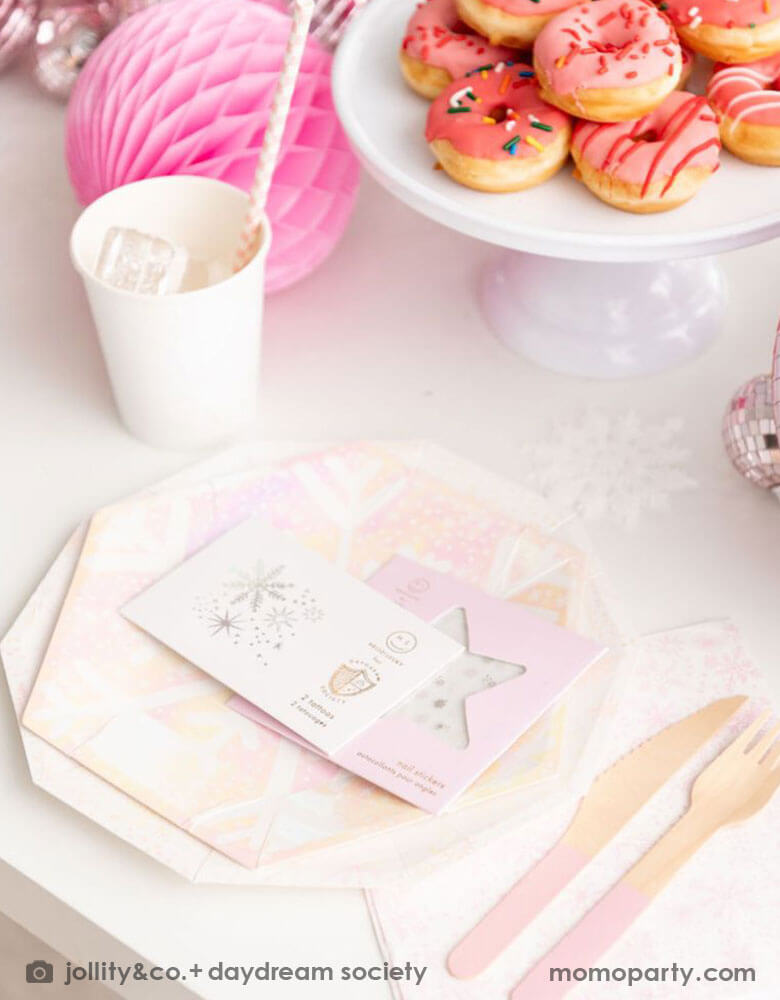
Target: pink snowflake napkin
{"points": [[720, 912]]}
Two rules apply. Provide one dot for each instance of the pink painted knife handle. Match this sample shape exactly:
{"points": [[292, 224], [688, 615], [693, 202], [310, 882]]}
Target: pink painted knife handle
{"points": [[515, 911], [584, 945]]}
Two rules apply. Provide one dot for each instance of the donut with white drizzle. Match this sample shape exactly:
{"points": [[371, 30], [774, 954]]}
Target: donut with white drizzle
{"points": [[610, 61], [746, 100], [655, 163], [439, 48], [728, 31], [492, 131]]}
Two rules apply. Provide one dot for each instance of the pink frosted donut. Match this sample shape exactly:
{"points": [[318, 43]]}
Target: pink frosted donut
{"points": [[729, 31], [492, 131], [653, 164], [746, 99], [439, 48], [510, 22], [688, 62], [610, 61]]}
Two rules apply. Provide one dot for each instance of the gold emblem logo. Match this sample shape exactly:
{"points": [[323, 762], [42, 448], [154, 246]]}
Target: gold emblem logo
{"points": [[347, 681]]}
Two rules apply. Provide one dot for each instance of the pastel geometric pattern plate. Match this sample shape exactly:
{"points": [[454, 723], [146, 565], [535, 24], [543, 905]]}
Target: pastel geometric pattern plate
{"points": [[114, 703]]}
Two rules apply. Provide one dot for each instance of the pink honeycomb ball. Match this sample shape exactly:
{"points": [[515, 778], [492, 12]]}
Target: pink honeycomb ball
{"points": [[186, 88]]}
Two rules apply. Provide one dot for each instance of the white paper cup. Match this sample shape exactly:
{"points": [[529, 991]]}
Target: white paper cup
{"points": [[184, 367]]}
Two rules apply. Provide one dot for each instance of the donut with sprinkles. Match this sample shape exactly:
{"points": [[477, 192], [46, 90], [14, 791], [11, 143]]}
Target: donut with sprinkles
{"points": [[746, 100], [728, 31], [510, 22], [653, 164], [492, 131], [610, 61], [688, 62], [439, 48]]}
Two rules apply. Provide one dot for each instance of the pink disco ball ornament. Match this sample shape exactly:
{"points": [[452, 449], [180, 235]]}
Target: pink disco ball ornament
{"points": [[186, 88]]}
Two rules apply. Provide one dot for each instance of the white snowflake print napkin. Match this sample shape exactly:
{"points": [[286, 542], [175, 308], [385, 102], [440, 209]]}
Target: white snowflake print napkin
{"points": [[720, 911], [320, 651]]}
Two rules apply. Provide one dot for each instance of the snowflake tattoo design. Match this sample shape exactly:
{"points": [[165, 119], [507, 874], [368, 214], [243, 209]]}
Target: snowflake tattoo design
{"points": [[280, 619], [258, 585], [312, 613], [226, 622], [259, 609]]}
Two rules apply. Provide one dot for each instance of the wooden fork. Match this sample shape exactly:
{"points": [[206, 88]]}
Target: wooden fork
{"points": [[731, 789]]}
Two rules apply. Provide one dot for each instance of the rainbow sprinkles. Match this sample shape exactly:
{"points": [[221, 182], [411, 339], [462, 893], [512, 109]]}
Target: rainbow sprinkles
{"points": [[468, 124]]}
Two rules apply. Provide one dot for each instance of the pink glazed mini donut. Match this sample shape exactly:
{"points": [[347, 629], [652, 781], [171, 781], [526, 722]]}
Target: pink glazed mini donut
{"points": [[653, 164], [728, 31], [688, 62], [609, 61], [510, 22], [439, 48], [746, 99], [492, 131]]}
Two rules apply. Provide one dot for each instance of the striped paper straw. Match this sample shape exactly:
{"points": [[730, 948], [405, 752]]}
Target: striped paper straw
{"points": [[280, 107]]}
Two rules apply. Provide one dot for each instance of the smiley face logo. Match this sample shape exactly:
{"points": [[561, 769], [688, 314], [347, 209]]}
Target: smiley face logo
{"points": [[401, 642]]}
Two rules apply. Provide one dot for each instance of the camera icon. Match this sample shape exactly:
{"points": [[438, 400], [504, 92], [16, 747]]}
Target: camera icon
{"points": [[39, 972]]}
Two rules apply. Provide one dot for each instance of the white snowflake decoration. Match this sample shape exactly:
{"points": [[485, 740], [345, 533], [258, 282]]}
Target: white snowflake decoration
{"points": [[606, 465]]}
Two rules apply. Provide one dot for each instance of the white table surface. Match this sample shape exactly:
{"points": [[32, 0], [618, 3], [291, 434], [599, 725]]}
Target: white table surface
{"points": [[383, 341]]}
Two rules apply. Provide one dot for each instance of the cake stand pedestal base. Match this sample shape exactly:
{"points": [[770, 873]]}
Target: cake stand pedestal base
{"points": [[603, 320]]}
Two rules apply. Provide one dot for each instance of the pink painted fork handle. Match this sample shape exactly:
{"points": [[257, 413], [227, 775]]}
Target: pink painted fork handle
{"points": [[584, 945], [515, 911]]}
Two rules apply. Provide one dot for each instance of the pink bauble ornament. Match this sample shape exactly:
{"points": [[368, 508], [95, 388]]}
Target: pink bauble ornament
{"points": [[185, 88], [18, 19]]}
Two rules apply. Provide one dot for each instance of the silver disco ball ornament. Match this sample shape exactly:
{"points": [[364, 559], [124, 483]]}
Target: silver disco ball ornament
{"points": [[18, 19], [68, 33], [65, 39], [750, 433]]}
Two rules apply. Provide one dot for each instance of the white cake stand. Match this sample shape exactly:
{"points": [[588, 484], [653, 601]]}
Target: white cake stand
{"points": [[582, 288]]}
